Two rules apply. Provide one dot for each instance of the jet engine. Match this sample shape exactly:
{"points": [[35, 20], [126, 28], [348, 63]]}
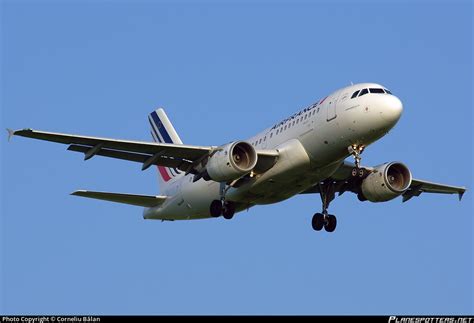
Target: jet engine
{"points": [[386, 182], [231, 161]]}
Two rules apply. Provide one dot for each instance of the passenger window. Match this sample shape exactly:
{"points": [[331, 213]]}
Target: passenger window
{"points": [[293, 122], [271, 134], [363, 92], [377, 91], [260, 141], [305, 116], [265, 138], [355, 94], [285, 127]]}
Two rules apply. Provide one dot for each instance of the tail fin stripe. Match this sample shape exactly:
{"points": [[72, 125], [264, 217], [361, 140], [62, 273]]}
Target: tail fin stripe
{"points": [[164, 174], [170, 170], [161, 128], [162, 131], [156, 135], [153, 131]]}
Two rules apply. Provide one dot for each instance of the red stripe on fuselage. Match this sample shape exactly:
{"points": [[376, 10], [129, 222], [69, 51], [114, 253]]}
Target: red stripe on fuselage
{"points": [[164, 174]]}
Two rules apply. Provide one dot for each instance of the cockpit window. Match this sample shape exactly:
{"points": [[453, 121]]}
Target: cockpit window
{"points": [[377, 91], [387, 91], [363, 92], [355, 94]]}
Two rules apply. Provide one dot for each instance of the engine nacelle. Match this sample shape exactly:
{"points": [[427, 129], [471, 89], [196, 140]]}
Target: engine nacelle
{"points": [[386, 182], [231, 161]]}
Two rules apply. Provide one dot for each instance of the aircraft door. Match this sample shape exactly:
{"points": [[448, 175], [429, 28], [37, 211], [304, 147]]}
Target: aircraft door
{"points": [[265, 140], [331, 108]]}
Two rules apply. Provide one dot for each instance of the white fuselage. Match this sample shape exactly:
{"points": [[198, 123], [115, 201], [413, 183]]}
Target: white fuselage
{"points": [[312, 144]]}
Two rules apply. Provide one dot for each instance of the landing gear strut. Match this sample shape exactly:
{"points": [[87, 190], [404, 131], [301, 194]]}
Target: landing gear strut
{"points": [[222, 207], [356, 151], [324, 219]]}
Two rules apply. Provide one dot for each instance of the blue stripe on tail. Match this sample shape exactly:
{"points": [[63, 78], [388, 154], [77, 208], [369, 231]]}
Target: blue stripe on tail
{"points": [[159, 125], [156, 124], [154, 135]]}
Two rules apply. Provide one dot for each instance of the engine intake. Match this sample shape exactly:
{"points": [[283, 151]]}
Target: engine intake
{"points": [[231, 161], [386, 182]]}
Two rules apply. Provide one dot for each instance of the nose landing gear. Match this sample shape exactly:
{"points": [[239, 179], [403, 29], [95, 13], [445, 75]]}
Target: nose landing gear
{"points": [[356, 151]]}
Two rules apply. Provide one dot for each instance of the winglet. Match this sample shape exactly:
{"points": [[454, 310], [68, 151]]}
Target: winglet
{"points": [[460, 194], [11, 133]]}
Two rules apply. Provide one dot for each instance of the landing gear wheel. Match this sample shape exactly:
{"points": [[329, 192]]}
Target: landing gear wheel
{"points": [[228, 210], [362, 172], [330, 223], [354, 172], [318, 221], [321, 220], [216, 208], [359, 172]]}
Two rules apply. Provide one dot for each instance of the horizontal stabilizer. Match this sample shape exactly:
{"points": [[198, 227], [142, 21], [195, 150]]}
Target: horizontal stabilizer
{"points": [[132, 199]]}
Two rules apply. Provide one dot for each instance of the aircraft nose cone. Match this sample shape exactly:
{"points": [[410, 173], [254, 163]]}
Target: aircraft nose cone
{"points": [[392, 110]]}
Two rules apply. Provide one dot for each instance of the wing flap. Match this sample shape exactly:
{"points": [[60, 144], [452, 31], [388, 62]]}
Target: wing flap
{"points": [[131, 199], [135, 157]]}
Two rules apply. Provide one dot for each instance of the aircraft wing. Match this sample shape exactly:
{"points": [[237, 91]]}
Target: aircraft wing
{"points": [[183, 157], [419, 186], [343, 182]]}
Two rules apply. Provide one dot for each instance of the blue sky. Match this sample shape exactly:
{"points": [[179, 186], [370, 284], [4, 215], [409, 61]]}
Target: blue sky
{"points": [[224, 71]]}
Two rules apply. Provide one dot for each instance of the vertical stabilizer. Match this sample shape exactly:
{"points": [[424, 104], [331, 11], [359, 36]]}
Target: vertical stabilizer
{"points": [[163, 131]]}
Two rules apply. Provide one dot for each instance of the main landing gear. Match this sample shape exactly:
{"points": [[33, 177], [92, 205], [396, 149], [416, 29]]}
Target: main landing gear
{"points": [[327, 191], [324, 219], [222, 207]]}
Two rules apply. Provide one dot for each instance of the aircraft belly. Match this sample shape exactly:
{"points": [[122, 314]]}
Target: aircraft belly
{"points": [[293, 174], [198, 197], [273, 192]]}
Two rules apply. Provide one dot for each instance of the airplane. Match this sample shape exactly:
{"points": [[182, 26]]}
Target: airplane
{"points": [[303, 154]]}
